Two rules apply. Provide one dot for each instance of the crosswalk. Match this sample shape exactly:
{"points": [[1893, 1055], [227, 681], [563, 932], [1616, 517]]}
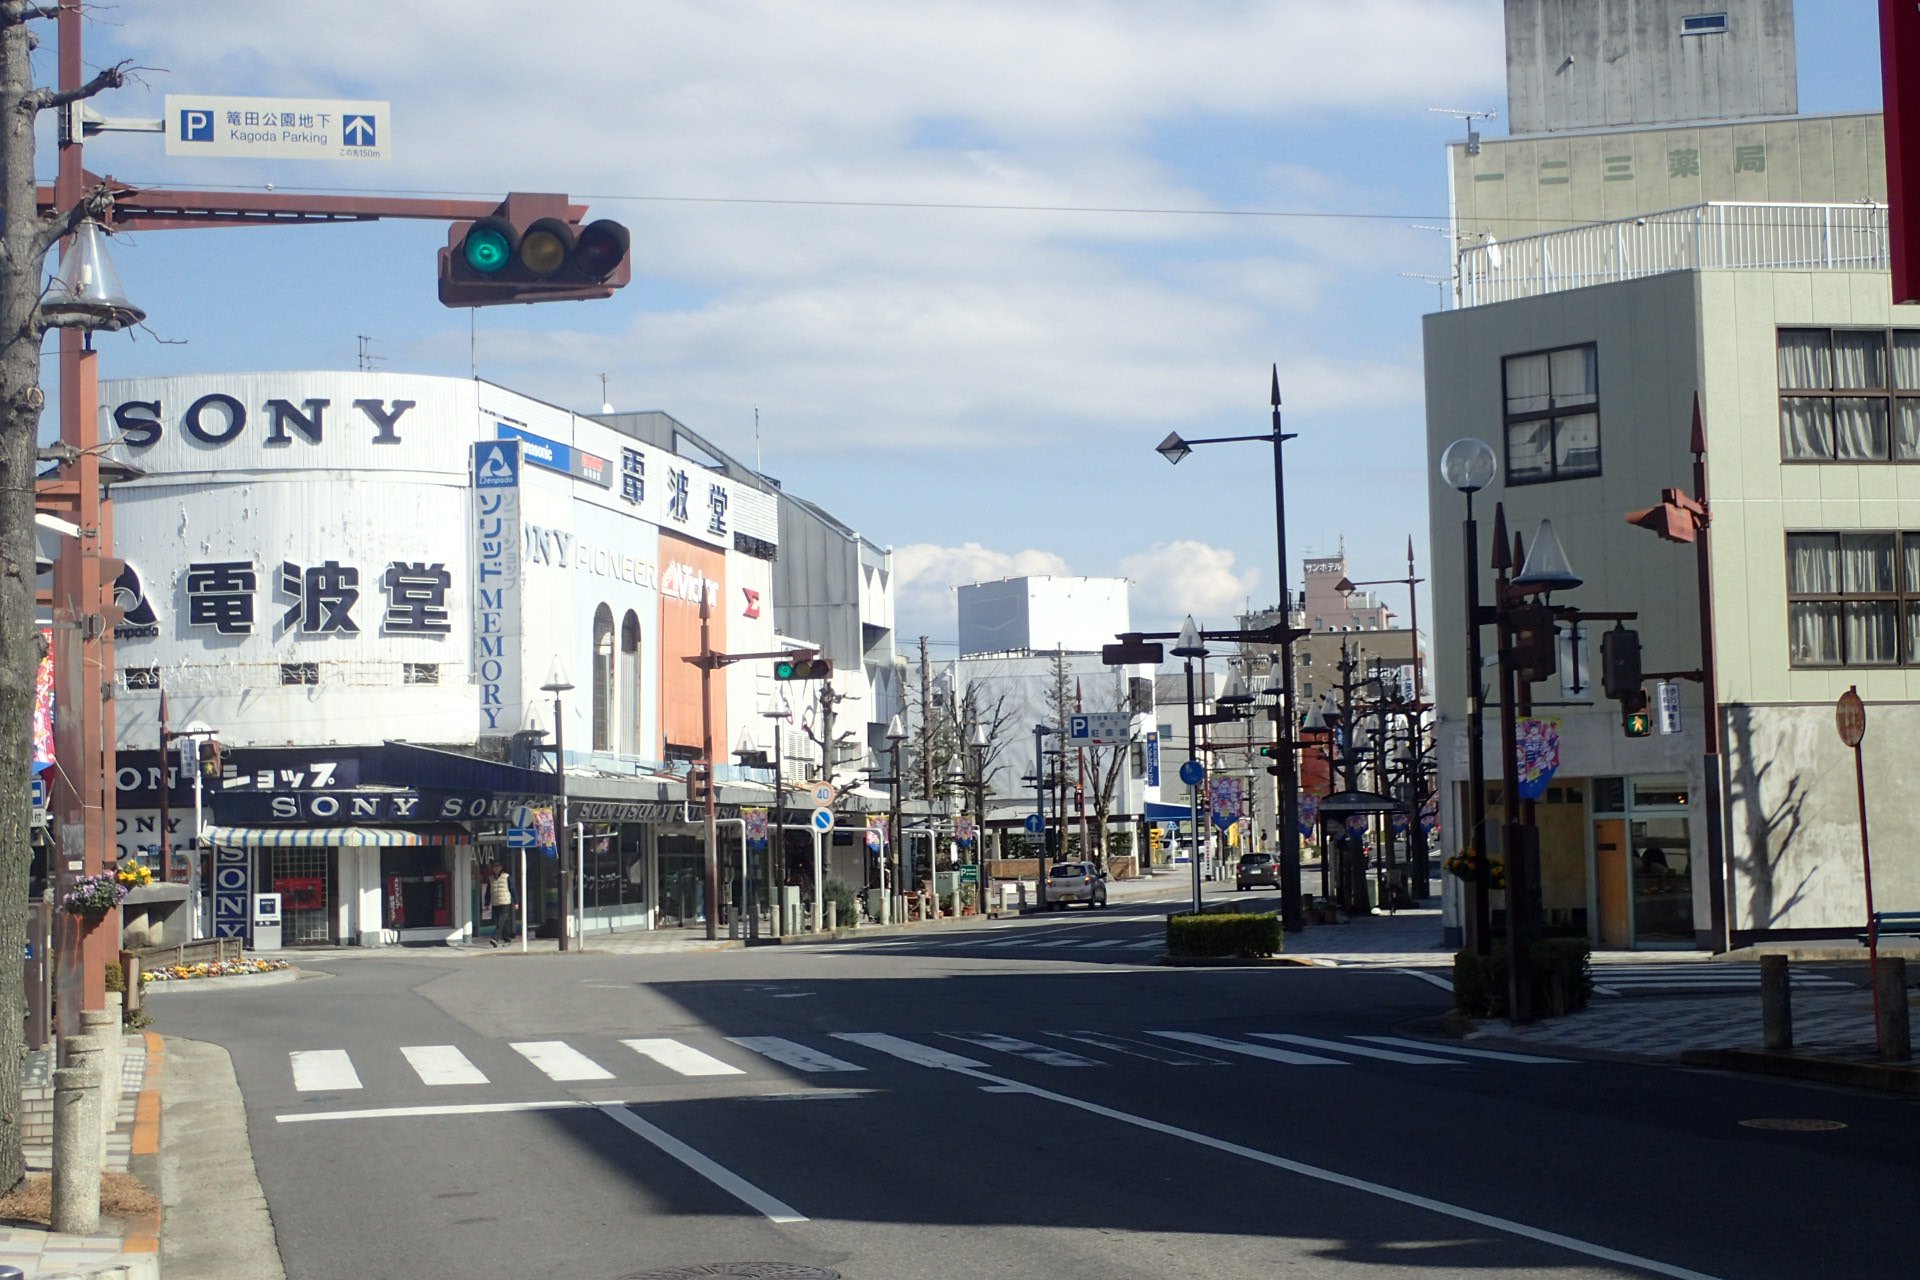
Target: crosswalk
{"points": [[1698, 978], [1030, 939], [660, 1058]]}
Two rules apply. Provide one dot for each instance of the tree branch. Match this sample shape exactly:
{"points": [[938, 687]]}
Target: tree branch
{"points": [[96, 203], [112, 77]]}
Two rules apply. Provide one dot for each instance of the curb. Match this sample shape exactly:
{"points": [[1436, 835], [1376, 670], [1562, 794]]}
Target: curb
{"points": [[143, 1234], [1234, 962], [1860, 1075], [227, 982]]}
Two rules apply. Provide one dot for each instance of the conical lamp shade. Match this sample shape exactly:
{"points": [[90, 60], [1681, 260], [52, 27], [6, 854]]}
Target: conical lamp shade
{"points": [[1547, 568], [86, 292]]}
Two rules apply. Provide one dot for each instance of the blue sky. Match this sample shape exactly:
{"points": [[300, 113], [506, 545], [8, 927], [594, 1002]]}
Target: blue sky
{"points": [[969, 260]]}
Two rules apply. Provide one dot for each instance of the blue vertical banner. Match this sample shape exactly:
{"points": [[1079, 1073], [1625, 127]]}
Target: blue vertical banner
{"points": [[496, 585], [232, 883], [1153, 759]]}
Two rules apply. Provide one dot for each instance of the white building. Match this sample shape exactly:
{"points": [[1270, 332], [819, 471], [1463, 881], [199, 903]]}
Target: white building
{"points": [[1041, 613], [363, 581]]}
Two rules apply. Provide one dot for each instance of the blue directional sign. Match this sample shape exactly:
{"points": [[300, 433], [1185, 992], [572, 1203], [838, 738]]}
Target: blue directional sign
{"points": [[1035, 824], [1192, 772], [39, 792], [359, 131], [522, 838]]}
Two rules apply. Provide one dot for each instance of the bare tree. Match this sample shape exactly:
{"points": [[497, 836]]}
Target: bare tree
{"points": [[24, 243]]}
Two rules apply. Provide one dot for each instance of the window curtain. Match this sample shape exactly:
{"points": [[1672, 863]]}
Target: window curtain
{"points": [[1860, 359], [1813, 564], [1813, 633], [1866, 564], [1870, 633], [1575, 374], [1906, 359], [1527, 450], [1806, 428], [1859, 429], [1528, 388], [1576, 445], [1906, 429], [1805, 361]]}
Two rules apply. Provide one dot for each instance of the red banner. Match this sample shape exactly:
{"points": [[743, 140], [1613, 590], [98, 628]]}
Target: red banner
{"points": [[1900, 81]]}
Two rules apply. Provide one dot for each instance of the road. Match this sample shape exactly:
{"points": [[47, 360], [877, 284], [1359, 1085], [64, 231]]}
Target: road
{"points": [[902, 1110]]}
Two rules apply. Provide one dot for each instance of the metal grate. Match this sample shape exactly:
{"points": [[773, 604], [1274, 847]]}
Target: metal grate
{"points": [[307, 924]]}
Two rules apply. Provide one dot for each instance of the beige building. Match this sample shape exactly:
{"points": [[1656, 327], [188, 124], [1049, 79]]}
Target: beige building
{"points": [[1576, 354]]}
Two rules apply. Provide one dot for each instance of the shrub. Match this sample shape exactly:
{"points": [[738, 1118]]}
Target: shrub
{"points": [[1560, 967], [116, 980], [846, 907], [1218, 933]]}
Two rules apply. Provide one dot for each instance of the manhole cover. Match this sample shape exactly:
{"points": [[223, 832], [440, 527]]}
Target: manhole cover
{"points": [[748, 1270], [1791, 1125]]}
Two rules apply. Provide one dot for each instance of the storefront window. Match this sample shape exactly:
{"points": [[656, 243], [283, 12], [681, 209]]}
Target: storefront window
{"points": [[416, 889], [1662, 881], [1642, 862], [615, 864], [1609, 795], [1659, 793]]}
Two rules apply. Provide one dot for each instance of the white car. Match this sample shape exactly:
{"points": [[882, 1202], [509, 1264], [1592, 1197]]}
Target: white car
{"points": [[1076, 882]]}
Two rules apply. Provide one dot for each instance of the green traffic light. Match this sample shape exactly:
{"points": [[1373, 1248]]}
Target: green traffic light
{"points": [[487, 250], [783, 670]]}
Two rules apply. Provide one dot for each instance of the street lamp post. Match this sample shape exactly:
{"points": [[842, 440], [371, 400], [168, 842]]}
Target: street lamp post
{"points": [[563, 847], [777, 870], [1469, 466], [1188, 647], [980, 740], [890, 864], [1173, 449], [1040, 731]]}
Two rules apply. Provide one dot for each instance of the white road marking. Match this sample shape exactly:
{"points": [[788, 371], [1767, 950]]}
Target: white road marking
{"points": [[1458, 1212], [684, 1058], [1494, 1055], [1341, 1046], [793, 1054], [1445, 984], [561, 1061], [323, 1070], [439, 1064], [454, 1109], [1252, 1050], [727, 1180], [1141, 1049], [919, 1054], [1027, 1049]]}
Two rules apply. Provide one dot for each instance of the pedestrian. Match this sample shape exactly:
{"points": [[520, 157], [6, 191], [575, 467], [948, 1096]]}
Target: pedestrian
{"points": [[500, 895]]}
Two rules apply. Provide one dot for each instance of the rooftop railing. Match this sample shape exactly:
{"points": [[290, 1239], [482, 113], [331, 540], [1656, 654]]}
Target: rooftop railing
{"points": [[1714, 236]]}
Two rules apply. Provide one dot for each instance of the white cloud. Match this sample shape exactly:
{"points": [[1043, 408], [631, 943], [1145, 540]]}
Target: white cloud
{"points": [[1174, 579]]}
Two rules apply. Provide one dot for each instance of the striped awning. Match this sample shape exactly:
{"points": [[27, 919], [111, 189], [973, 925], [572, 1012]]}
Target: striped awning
{"points": [[330, 837]]}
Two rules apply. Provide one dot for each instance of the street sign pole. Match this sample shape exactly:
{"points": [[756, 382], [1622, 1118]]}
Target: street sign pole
{"points": [[1850, 717]]}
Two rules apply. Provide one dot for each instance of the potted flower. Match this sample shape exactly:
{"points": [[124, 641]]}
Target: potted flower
{"points": [[134, 875], [93, 896]]}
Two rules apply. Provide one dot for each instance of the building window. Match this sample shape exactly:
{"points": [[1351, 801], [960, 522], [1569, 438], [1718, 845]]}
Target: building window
{"points": [[1853, 599], [1849, 395], [1552, 414], [299, 673], [420, 673], [1704, 24], [143, 677], [602, 679], [630, 684]]}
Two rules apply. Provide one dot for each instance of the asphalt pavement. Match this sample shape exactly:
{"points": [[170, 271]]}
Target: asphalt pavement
{"points": [[1025, 1097]]}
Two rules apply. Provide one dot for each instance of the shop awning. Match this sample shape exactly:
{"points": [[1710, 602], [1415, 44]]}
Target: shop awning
{"points": [[1157, 812], [331, 837]]}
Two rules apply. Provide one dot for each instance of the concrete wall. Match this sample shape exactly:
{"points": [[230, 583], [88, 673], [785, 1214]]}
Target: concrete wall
{"points": [[1608, 63]]}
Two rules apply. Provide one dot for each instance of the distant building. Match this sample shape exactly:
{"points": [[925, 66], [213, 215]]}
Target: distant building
{"points": [[1035, 613]]}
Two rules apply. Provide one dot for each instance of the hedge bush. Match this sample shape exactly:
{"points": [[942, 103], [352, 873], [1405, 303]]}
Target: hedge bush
{"points": [[1217, 933], [1562, 979]]}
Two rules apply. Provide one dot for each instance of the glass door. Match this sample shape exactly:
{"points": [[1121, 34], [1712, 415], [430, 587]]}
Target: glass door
{"points": [[1662, 867]]}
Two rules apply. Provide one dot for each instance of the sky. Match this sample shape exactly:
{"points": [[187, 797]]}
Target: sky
{"points": [[950, 269]]}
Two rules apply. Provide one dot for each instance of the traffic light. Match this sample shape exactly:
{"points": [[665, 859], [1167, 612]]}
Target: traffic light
{"points": [[1272, 752], [1155, 837], [1620, 663], [210, 759], [1637, 724], [528, 251], [697, 785], [803, 666], [1535, 652]]}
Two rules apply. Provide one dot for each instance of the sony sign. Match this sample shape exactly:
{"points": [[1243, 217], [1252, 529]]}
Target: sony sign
{"points": [[218, 419]]}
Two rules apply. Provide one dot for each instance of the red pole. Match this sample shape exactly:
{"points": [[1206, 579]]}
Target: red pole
{"points": [[1866, 870]]}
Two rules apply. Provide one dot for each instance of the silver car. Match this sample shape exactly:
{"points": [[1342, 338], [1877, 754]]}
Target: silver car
{"points": [[1076, 882]]}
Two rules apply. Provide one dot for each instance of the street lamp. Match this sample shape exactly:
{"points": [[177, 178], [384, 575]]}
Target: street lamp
{"points": [[896, 734], [777, 869], [563, 846], [980, 740], [1173, 449], [1188, 647], [1040, 731], [1469, 466]]}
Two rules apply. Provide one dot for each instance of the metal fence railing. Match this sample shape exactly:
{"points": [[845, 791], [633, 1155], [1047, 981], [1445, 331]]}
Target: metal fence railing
{"points": [[1718, 235]]}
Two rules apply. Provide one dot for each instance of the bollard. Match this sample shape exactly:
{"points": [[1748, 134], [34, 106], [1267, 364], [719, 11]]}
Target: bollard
{"points": [[1894, 1032], [90, 1053], [104, 1025], [1776, 1004], [76, 1150], [833, 916]]}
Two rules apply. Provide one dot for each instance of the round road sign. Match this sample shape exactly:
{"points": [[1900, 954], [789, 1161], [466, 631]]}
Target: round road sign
{"points": [[822, 820], [1850, 716], [1192, 772], [1035, 824], [822, 793]]}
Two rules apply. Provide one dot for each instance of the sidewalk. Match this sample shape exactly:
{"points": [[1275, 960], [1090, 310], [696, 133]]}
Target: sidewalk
{"points": [[125, 1248]]}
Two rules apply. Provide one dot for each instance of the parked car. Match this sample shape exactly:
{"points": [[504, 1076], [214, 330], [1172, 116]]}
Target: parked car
{"points": [[1256, 868], [1076, 882]]}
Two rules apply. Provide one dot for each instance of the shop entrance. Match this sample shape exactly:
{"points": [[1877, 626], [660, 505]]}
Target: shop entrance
{"points": [[304, 880], [683, 882], [1642, 863]]}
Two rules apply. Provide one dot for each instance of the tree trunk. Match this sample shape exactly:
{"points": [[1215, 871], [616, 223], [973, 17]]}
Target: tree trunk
{"points": [[20, 401]]}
